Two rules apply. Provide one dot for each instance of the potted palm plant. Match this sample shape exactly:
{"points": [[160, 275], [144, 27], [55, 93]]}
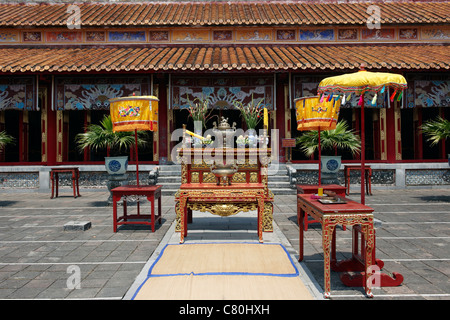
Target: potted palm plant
{"points": [[102, 136], [330, 140], [437, 130]]}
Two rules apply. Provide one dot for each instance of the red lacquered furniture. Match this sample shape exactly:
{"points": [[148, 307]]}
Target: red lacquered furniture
{"points": [[329, 215], [54, 177], [312, 188], [368, 176], [248, 190], [151, 192], [220, 200]]}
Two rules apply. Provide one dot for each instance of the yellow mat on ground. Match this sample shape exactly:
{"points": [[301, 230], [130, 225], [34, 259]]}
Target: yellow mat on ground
{"points": [[206, 271]]}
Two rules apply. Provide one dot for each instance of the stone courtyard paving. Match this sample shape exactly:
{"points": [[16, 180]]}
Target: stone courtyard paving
{"points": [[39, 260]]}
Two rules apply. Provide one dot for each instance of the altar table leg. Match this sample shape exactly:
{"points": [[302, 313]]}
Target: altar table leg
{"points": [[152, 201], [73, 184], [183, 224], [327, 236], [57, 184], [115, 199], [260, 218], [369, 233], [159, 207], [125, 210], [78, 183], [300, 218], [52, 178]]}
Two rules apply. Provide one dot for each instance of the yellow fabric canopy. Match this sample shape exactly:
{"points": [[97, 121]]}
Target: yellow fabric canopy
{"points": [[312, 114], [134, 113], [362, 81]]}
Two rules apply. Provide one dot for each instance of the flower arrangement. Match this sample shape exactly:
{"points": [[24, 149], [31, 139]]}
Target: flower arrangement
{"points": [[252, 112], [207, 140], [241, 140], [198, 110]]}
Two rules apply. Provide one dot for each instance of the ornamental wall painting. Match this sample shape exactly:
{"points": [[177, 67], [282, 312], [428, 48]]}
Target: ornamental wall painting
{"points": [[349, 34], [9, 36], [190, 35], [64, 36], [17, 93], [408, 34], [32, 36], [222, 35], [378, 34], [126, 36], [254, 35], [159, 35], [316, 34], [94, 93], [432, 93], [222, 91], [286, 35], [95, 36], [436, 33]]}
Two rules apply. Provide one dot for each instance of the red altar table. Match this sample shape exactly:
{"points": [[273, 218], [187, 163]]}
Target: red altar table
{"points": [[54, 177], [242, 194], [368, 176], [220, 200], [329, 215], [151, 192], [312, 188]]}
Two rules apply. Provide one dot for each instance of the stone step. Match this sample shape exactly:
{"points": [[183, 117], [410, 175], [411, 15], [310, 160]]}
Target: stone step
{"points": [[275, 191], [283, 178], [273, 185], [283, 191], [166, 179]]}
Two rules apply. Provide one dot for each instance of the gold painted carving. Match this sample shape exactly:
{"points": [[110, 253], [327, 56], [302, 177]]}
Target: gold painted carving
{"points": [[195, 177], [209, 177], [268, 217], [239, 177], [222, 209]]}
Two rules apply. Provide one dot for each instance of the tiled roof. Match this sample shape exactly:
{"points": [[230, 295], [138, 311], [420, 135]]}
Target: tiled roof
{"points": [[224, 13], [216, 58]]}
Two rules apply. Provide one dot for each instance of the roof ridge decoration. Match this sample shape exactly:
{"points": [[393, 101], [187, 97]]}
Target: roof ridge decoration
{"points": [[222, 13]]}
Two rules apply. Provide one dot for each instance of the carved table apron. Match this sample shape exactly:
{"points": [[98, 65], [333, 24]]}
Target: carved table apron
{"points": [[220, 200]]}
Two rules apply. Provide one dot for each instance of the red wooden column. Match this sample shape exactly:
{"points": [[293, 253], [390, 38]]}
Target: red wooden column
{"points": [[2, 128], [87, 122], [51, 137], [164, 145], [390, 134], [23, 136], [280, 115]]}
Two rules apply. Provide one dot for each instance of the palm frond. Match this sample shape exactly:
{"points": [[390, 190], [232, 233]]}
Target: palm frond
{"points": [[342, 138], [436, 130], [5, 139], [102, 136]]}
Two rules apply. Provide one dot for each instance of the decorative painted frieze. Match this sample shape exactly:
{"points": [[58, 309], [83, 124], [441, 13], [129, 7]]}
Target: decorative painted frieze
{"points": [[232, 34]]}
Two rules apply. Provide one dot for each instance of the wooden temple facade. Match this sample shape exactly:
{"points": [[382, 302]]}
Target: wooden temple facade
{"points": [[60, 64]]}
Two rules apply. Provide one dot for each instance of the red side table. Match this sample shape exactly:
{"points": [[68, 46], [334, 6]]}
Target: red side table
{"points": [[54, 177], [151, 192]]}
